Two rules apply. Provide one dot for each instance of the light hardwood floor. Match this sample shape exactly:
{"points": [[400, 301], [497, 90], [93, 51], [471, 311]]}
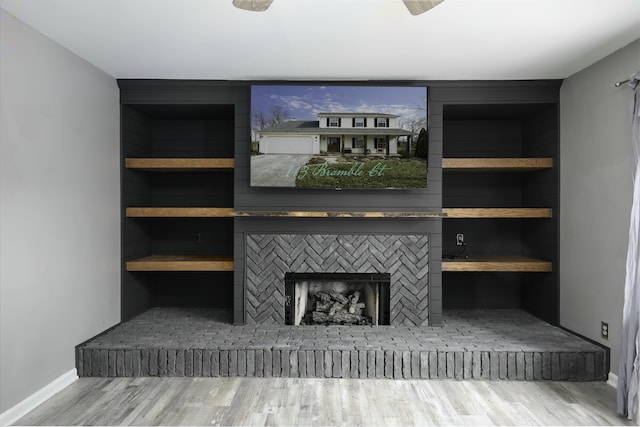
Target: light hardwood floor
{"points": [[297, 401]]}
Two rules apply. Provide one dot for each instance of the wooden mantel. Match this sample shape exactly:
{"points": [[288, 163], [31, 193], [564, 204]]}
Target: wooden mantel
{"points": [[331, 214], [200, 212]]}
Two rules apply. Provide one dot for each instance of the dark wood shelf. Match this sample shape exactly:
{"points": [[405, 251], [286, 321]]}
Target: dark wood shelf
{"points": [[497, 264], [181, 263], [511, 164]]}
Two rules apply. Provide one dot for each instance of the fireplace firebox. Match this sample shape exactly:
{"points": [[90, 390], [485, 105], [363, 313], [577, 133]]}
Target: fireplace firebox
{"points": [[337, 298]]}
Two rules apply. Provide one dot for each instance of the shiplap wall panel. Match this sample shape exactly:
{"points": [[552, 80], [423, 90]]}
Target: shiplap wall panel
{"points": [[184, 138], [175, 236], [135, 141], [192, 189], [541, 294], [237, 93], [192, 289]]}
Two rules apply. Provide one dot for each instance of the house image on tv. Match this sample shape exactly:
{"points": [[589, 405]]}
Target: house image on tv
{"points": [[345, 133]]}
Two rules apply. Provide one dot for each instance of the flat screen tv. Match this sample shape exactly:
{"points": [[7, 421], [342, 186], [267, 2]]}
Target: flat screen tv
{"points": [[340, 136]]}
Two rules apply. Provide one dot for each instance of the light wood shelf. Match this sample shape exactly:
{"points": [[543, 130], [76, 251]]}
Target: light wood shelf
{"points": [[512, 164], [179, 164], [181, 263], [179, 212], [497, 264], [497, 212]]}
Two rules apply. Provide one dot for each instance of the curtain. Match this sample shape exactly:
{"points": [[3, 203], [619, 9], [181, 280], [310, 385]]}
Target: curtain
{"points": [[629, 369]]}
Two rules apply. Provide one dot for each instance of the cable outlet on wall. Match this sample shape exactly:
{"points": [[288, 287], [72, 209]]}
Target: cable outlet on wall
{"points": [[604, 330], [459, 239]]}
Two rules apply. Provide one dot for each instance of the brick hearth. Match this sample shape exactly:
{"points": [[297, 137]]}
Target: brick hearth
{"points": [[471, 344]]}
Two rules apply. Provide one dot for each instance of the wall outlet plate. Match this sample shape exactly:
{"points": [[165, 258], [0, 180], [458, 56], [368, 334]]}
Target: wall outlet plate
{"points": [[604, 330], [459, 239]]}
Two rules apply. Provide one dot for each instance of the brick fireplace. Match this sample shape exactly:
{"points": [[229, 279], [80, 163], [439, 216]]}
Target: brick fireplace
{"points": [[405, 258]]}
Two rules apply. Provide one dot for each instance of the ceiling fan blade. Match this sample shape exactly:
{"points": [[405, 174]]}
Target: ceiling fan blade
{"points": [[253, 5], [416, 7]]}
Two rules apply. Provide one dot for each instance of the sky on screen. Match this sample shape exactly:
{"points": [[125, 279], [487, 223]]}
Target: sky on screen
{"points": [[304, 102]]}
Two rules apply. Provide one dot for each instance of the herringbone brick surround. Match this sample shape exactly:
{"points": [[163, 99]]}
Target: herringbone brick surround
{"points": [[270, 256]]}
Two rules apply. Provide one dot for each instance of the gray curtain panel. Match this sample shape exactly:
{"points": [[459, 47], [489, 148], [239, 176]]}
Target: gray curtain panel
{"points": [[630, 354]]}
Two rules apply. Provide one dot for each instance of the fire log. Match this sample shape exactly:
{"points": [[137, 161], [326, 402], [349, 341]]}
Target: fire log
{"points": [[342, 318], [334, 308]]}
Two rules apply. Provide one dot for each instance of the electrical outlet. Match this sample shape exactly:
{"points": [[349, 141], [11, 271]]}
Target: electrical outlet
{"points": [[197, 238], [459, 239], [604, 330]]}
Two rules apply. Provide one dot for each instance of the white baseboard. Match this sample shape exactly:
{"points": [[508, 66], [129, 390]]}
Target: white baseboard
{"points": [[18, 411], [613, 380]]}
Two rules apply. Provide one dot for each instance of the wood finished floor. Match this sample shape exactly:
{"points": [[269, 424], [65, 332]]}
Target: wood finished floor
{"points": [[298, 401]]}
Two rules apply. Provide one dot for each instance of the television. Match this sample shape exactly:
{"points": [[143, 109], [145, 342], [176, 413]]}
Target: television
{"points": [[339, 136]]}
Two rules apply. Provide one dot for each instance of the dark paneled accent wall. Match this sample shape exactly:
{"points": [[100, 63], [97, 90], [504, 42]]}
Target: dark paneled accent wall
{"points": [[527, 131], [541, 292], [135, 138], [482, 138]]}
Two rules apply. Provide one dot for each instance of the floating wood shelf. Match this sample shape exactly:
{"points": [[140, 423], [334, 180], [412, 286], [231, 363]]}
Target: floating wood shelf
{"points": [[179, 164], [497, 164], [179, 212], [323, 214], [181, 263], [496, 264], [497, 212]]}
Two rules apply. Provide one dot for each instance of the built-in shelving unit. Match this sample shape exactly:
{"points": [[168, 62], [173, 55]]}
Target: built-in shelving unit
{"points": [[178, 197], [500, 192]]}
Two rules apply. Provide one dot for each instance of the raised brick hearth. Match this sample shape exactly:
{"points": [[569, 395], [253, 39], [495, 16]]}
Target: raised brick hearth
{"points": [[471, 344], [270, 256]]}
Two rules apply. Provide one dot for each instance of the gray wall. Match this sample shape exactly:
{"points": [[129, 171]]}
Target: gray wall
{"points": [[595, 191], [59, 206]]}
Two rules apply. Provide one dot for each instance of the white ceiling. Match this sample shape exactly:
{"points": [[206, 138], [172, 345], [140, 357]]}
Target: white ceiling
{"points": [[336, 39]]}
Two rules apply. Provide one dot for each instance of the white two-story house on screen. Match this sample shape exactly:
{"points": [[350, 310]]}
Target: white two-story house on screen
{"points": [[346, 133]]}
